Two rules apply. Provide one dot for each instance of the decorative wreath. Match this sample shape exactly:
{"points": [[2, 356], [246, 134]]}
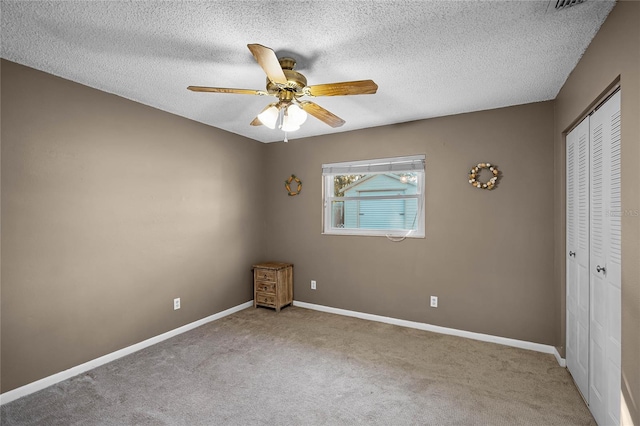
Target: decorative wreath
{"points": [[287, 185], [474, 172]]}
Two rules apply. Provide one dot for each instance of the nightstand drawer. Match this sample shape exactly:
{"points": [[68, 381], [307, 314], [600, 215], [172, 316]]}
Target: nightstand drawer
{"points": [[265, 299], [265, 274], [266, 287]]}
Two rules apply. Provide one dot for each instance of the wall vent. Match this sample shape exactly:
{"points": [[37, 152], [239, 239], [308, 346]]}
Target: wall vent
{"points": [[561, 4]]}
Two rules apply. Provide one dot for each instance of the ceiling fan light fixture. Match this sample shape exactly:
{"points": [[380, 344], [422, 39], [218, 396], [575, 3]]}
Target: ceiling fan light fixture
{"points": [[269, 117], [293, 116], [296, 114], [288, 125]]}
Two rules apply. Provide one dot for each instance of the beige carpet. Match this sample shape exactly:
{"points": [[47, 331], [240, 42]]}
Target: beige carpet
{"points": [[302, 367]]}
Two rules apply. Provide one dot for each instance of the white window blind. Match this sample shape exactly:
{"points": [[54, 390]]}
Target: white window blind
{"points": [[384, 165]]}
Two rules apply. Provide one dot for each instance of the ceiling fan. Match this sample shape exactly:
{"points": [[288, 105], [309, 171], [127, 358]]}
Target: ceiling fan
{"points": [[289, 112]]}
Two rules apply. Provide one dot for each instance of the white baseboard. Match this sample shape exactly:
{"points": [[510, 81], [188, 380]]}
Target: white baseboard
{"points": [[32, 387], [561, 361], [538, 347]]}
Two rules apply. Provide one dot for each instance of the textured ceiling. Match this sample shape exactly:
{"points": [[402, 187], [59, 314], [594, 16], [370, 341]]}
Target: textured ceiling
{"points": [[429, 58]]}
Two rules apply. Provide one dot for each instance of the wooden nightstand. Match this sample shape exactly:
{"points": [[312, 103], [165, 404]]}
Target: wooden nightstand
{"points": [[272, 285]]}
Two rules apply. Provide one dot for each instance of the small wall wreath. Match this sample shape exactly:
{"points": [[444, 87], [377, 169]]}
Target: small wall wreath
{"points": [[288, 182], [475, 171]]}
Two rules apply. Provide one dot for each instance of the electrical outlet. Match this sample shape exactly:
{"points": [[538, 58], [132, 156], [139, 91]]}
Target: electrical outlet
{"points": [[176, 303], [313, 284], [434, 301]]}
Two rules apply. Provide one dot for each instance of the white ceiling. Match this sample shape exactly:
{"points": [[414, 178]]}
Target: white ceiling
{"points": [[429, 58]]}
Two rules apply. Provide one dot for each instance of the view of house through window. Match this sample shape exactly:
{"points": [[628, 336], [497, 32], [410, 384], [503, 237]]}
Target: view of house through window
{"points": [[375, 197]]}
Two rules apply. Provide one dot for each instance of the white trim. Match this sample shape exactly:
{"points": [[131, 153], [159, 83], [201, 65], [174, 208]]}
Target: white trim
{"points": [[32, 387], [561, 361], [538, 347]]}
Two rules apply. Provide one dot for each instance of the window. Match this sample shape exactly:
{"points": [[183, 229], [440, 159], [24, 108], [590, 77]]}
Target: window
{"points": [[375, 197]]}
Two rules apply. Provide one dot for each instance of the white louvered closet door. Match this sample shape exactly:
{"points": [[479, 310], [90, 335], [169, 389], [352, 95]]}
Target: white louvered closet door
{"points": [[577, 255], [605, 264]]}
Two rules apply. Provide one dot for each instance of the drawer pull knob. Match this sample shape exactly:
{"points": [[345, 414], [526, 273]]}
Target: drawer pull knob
{"points": [[601, 269]]}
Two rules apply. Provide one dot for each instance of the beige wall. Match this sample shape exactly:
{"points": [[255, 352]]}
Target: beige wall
{"points": [[487, 255], [110, 209], [615, 51]]}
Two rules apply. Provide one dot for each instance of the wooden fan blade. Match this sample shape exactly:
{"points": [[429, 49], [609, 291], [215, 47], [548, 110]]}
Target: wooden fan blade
{"points": [[268, 60], [360, 87], [227, 90], [322, 114]]}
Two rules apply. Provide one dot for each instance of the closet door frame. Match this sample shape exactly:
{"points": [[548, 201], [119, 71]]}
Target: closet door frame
{"points": [[604, 257]]}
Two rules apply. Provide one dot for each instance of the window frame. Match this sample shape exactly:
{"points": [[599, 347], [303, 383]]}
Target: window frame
{"points": [[392, 165]]}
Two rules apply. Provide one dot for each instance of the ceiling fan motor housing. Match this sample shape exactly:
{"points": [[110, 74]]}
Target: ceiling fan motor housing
{"points": [[295, 81]]}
